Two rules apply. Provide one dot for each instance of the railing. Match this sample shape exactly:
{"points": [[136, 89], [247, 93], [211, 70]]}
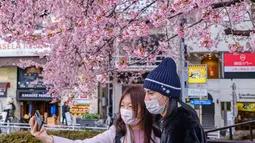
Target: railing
{"points": [[228, 141], [12, 127], [231, 133]]}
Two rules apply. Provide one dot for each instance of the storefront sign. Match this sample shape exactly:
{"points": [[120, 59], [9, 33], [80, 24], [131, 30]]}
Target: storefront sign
{"points": [[197, 92], [246, 96], [33, 95], [239, 62], [197, 74], [250, 107], [36, 95], [80, 110], [201, 102], [83, 97], [15, 49]]}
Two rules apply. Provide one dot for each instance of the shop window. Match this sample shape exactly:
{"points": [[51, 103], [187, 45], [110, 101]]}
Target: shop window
{"points": [[228, 106], [212, 63], [225, 110], [246, 112]]}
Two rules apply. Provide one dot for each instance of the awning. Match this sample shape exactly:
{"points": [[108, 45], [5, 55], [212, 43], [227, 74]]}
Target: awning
{"points": [[5, 85]]}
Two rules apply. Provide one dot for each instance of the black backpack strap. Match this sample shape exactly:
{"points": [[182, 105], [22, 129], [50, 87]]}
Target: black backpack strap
{"points": [[118, 137], [156, 131]]}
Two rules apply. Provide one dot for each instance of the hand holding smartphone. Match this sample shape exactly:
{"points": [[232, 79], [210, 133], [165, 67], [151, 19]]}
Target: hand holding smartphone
{"points": [[39, 120], [37, 131]]}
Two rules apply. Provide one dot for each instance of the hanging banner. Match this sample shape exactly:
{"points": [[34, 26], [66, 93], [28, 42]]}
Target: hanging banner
{"points": [[250, 107], [197, 74]]}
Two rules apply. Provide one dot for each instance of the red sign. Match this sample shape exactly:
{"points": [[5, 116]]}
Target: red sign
{"points": [[83, 96], [244, 62]]}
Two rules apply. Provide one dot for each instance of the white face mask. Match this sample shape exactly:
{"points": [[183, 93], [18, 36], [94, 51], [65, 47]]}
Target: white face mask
{"points": [[128, 117], [153, 106]]}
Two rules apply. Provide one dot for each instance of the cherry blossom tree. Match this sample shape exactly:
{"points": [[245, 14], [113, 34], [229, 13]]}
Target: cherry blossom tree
{"points": [[91, 41]]}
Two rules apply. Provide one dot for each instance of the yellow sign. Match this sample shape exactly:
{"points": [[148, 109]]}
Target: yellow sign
{"points": [[197, 74], [250, 107]]}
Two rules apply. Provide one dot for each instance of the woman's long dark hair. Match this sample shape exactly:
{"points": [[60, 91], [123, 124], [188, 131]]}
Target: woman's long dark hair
{"points": [[137, 96]]}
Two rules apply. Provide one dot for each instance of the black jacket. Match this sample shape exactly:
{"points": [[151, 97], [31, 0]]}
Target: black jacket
{"points": [[184, 127], [64, 110]]}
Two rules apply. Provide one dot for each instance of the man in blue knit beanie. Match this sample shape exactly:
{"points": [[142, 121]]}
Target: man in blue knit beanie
{"points": [[163, 89]]}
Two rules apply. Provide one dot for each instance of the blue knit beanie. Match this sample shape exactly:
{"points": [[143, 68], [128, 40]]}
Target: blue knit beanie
{"points": [[164, 79]]}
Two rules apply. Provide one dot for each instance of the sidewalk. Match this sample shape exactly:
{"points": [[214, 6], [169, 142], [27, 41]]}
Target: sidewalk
{"points": [[243, 135]]}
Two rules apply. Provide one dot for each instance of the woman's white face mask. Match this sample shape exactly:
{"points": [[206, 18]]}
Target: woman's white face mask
{"points": [[128, 117], [153, 106]]}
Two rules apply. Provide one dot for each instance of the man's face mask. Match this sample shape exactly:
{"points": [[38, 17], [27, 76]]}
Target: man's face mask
{"points": [[153, 106]]}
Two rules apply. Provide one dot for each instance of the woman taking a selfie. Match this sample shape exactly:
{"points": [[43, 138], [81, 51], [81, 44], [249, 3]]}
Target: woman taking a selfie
{"points": [[134, 124]]}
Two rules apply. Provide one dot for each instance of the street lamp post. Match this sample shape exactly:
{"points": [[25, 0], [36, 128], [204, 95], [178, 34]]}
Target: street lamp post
{"points": [[183, 50], [234, 100]]}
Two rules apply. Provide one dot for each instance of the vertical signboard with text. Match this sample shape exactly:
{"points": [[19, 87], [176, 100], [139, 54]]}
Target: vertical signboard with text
{"points": [[197, 74]]}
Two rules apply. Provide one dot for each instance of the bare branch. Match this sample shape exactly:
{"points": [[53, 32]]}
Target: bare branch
{"points": [[251, 18], [230, 31], [195, 23], [107, 42], [230, 21], [226, 4], [129, 6], [214, 6]]}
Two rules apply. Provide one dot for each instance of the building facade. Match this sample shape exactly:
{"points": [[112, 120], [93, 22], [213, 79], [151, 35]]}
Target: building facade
{"points": [[229, 83], [17, 84]]}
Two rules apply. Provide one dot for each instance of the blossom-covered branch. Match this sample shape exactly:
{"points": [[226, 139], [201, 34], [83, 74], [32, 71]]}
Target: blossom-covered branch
{"points": [[90, 40]]}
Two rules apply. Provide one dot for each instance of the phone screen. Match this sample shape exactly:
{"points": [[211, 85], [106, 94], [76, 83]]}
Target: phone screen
{"points": [[39, 120]]}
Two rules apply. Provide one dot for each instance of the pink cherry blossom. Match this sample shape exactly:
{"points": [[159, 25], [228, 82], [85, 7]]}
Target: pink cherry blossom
{"points": [[90, 41], [181, 31], [207, 42], [122, 63], [235, 48]]}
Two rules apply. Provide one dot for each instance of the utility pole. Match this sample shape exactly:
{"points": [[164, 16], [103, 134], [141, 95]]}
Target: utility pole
{"points": [[234, 100], [183, 50], [201, 112]]}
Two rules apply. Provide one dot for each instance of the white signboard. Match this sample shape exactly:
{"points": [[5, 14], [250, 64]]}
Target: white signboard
{"points": [[3, 116], [68, 118], [240, 69], [246, 96], [15, 49], [197, 92]]}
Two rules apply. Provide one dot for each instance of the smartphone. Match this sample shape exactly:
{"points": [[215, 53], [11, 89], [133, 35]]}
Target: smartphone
{"points": [[39, 120]]}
